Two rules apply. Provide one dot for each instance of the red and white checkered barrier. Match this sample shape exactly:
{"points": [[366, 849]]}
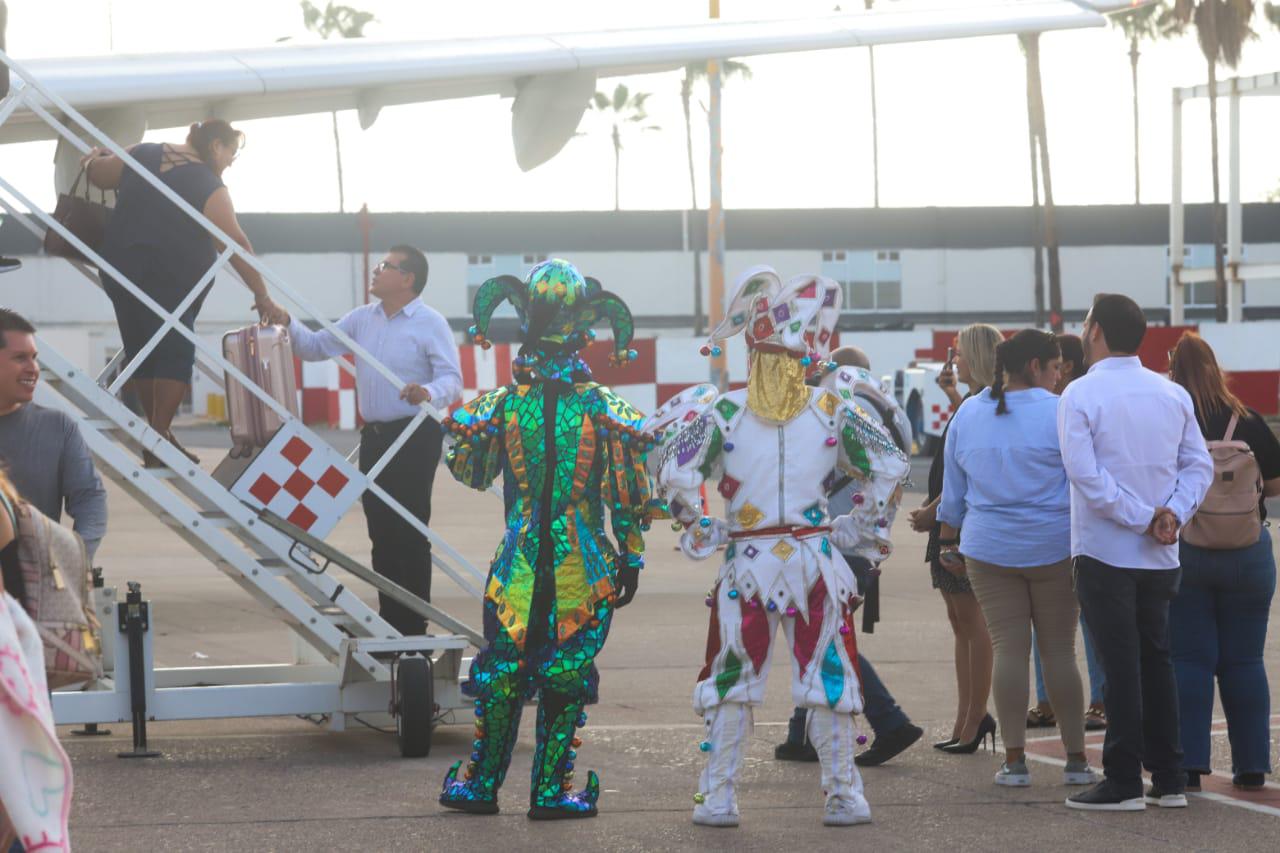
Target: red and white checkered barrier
{"points": [[939, 415]]}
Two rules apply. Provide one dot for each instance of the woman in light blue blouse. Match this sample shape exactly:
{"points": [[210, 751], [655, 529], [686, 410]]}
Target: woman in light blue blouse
{"points": [[1005, 483]]}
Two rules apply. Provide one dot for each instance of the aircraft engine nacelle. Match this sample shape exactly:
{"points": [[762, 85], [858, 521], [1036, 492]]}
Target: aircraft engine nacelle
{"points": [[546, 113]]}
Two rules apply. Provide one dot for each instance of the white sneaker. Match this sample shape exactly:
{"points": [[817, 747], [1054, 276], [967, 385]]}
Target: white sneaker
{"points": [[704, 816], [1014, 775], [1079, 773], [846, 812]]}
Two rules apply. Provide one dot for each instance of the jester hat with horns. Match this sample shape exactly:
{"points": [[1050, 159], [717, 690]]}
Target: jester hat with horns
{"points": [[557, 307], [797, 318]]}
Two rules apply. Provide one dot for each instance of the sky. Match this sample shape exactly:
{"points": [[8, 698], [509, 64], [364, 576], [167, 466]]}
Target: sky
{"points": [[952, 115]]}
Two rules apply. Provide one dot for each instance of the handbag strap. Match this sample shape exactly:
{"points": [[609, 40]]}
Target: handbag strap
{"points": [[9, 510], [1231, 426]]}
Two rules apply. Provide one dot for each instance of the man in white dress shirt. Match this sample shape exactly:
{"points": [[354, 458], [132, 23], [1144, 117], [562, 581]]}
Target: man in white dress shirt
{"points": [[1138, 468], [415, 341]]}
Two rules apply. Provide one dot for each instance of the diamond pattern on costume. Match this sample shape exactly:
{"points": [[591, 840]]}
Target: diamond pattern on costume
{"points": [[782, 313], [751, 551], [829, 300], [727, 409], [728, 487], [762, 328], [729, 674], [749, 516], [809, 291], [814, 514], [783, 550], [828, 403], [730, 551]]}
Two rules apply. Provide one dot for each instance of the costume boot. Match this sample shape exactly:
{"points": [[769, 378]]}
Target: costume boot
{"points": [[551, 797], [727, 728], [497, 724], [832, 735]]}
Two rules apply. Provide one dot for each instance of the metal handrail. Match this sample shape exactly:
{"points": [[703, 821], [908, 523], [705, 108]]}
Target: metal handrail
{"points": [[18, 95]]}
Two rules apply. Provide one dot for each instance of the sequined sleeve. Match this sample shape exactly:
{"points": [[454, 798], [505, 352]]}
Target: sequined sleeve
{"points": [[477, 431], [879, 469], [689, 459], [625, 484]]}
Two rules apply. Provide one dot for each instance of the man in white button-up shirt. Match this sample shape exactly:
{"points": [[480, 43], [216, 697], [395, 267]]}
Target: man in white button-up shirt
{"points": [[1138, 468], [415, 341]]}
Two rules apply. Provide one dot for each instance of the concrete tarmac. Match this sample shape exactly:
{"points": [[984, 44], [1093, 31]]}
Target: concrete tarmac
{"points": [[288, 784]]}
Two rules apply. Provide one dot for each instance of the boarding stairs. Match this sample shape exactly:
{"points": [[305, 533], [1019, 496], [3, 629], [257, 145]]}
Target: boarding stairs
{"points": [[352, 660]]}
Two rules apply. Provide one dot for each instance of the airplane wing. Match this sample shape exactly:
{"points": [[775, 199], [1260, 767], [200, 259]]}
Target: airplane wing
{"points": [[551, 76]]}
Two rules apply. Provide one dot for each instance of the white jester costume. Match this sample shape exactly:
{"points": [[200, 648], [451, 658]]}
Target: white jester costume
{"points": [[776, 448]]}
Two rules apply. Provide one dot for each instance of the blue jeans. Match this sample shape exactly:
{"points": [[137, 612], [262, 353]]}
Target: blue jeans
{"points": [[1218, 624], [881, 710], [1096, 677]]}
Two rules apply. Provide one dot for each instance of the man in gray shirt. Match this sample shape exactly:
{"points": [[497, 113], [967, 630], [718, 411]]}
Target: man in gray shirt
{"points": [[41, 448]]}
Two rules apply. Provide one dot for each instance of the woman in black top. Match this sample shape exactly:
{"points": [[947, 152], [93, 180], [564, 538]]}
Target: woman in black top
{"points": [[166, 253], [975, 359], [1218, 621]]}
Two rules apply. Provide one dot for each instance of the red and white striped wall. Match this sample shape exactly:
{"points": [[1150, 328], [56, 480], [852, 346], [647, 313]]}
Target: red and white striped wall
{"points": [[326, 393], [663, 367]]}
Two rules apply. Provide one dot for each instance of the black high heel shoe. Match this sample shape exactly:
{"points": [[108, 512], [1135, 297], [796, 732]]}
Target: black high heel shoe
{"points": [[943, 744], [985, 728]]}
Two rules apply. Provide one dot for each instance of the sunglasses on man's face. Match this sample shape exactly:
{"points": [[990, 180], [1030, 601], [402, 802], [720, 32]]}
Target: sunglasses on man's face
{"points": [[387, 265]]}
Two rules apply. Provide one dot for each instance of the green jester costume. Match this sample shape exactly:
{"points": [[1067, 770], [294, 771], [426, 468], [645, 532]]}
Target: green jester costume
{"points": [[568, 450]]}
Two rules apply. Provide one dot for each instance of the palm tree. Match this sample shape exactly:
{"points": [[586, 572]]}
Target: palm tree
{"points": [[345, 22], [1222, 27], [693, 72], [1036, 120], [1150, 23], [627, 109]]}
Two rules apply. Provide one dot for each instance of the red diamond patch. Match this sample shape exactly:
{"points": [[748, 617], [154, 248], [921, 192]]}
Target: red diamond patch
{"points": [[298, 485], [762, 328], [728, 487], [332, 481], [296, 450], [264, 489], [809, 291], [302, 517]]}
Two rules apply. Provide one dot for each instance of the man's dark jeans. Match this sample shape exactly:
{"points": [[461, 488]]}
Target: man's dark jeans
{"points": [[1127, 611]]}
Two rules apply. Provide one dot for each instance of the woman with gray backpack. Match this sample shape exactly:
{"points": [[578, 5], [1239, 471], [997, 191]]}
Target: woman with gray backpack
{"points": [[1218, 621]]}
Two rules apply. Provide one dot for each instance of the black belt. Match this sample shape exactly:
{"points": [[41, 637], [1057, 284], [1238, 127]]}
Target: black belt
{"points": [[386, 427]]}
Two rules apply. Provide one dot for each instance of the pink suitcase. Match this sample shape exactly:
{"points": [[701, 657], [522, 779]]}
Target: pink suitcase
{"points": [[265, 355]]}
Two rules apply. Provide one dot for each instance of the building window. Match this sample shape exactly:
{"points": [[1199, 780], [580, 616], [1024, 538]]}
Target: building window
{"points": [[870, 280], [481, 268]]}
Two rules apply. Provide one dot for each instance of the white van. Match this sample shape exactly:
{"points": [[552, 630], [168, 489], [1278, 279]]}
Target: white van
{"points": [[916, 389]]}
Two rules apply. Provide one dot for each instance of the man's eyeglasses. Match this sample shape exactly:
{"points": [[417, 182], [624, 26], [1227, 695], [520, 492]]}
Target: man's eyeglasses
{"points": [[387, 265]]}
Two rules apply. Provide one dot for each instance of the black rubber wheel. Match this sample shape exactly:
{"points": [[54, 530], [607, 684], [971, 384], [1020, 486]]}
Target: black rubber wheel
{"points": [[415, 692]]}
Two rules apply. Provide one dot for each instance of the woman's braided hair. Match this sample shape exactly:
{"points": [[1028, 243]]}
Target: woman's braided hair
{"points": [[1015, 355]]}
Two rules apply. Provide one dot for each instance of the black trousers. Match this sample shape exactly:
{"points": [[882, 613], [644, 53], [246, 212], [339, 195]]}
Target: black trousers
{"points": [[401, 553], [1127, 612]]}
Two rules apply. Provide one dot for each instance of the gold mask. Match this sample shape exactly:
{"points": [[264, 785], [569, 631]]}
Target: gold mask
{"points": [[775, 386]]}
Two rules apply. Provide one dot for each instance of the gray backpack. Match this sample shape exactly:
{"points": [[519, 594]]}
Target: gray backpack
{"points": [[1228, 517]]}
